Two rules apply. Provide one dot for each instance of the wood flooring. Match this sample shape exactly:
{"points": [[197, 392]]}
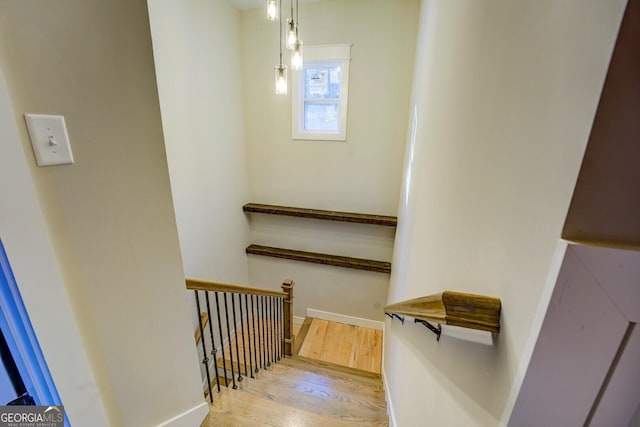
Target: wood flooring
{"points": [[355, 347], [301, 391], [293, 392]]}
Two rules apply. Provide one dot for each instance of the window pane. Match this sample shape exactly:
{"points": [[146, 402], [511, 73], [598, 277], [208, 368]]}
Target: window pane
{"points": [[321, 116], [322, 82]]}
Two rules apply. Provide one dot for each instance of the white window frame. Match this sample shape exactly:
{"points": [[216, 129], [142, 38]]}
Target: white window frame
{"points": [[328, 55]]}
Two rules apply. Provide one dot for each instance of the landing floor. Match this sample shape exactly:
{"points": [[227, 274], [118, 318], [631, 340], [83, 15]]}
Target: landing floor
{"points": [[354, 347]]}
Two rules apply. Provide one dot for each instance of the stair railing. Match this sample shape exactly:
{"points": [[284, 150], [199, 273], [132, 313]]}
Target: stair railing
{"points": [[450, 308], [257, 321]]}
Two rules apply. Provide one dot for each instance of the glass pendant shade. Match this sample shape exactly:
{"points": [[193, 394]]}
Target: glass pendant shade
{"points": [[296, 56], [292, 33], [272, 10], [281, 79]]}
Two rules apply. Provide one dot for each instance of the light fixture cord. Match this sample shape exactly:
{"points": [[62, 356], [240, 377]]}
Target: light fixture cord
{"points": [[280, 25]]}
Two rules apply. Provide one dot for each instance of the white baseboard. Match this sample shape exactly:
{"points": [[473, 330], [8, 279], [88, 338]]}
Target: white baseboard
{"points": [[298, 320], [190, 418], [342, 318], [387, 396]]}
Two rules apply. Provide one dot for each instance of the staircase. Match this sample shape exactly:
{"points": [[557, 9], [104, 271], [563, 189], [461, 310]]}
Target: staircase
{"points": [[254, 376], [295, 392]]}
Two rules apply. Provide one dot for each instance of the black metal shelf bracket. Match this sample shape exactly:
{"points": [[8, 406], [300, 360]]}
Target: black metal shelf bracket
{"points": [[437, 331], [392, 315]]}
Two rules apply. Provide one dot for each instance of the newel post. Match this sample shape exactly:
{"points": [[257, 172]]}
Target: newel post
{"points": [[289, 338]]}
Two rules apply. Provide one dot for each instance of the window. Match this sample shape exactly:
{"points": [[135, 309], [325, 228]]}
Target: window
{"points": [[320, 94]]}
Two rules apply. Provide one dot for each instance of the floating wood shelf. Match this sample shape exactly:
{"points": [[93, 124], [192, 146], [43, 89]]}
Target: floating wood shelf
{"points": [[453, 308], [318, 258], [390, 221]]}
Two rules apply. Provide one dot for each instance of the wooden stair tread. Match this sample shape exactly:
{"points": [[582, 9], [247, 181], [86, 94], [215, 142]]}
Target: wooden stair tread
{"points": [[319, 258], [300, 397], [314, 397], [240, 368], [241, 409], [356, 349], [361, 385], [294, 391], [326, 372], [340, 368], [390, 221], [310, 383], [340, 378]]}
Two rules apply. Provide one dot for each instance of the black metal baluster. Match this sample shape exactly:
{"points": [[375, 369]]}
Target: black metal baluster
{"points": [[246, 311], [276, 324], [279, 300], [235, 333], [266, 330], [255, 340], [273, 332], [244, 348], [214, 350], [263, 332], [205, 359], [282, 346], [226, 315], [275, 329], [282, 343], [261, 348], [224, 358]]}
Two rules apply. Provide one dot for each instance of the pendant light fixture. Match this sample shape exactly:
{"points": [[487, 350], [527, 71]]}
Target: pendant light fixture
{"points": [[281, 69], [296, 56], [296, 53], [292, 29], [272, 10]]}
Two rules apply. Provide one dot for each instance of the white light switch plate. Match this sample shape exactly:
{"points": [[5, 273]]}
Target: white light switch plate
{"points": [[49, 139]]}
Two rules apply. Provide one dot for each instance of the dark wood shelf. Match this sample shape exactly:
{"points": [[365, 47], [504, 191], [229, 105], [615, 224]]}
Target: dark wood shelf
{"points": [[318, 258], [390, 221]]}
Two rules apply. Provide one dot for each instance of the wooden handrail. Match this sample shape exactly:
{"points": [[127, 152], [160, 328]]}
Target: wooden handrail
{"points": [[453, 308], [207, 285]]}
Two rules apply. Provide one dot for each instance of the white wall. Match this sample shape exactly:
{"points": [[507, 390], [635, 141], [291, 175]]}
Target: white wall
{"points": [[24, 235], [197, 55], [196, 45], [504, 97], [362, 174], [109, 215]]}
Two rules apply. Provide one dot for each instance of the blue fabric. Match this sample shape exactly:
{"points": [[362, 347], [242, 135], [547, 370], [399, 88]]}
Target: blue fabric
{"points": [[22, 340]]}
